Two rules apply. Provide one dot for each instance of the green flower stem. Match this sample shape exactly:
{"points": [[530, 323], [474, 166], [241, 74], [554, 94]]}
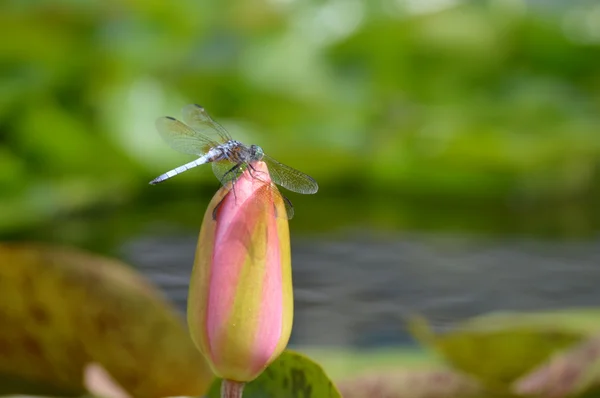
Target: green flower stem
{"points": [[232, 389]]}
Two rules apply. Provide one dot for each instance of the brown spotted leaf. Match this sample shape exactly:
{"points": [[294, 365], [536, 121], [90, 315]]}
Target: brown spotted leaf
{"points": [[292, 375], [567, 373], [403, 383], [498, 349], [62, 309]]}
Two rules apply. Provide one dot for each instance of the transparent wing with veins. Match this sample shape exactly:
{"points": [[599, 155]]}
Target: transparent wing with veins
{"points": [[183, 138], [227, 172], [290, 178], [197, 118], [195, 135]]}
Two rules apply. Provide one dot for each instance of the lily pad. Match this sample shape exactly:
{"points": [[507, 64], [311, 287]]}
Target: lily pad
{"points": [[571, 372], [62, 309], [292, 375], [500, 348], [409, 383]]}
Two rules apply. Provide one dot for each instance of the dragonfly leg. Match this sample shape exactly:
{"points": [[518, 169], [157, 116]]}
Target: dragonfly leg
{"points": [[231, 170], [256, 171], [233, 189], [250, 169]]}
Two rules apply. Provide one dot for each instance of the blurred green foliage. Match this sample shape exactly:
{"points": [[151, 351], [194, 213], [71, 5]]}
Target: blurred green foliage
{"points": [[474, 101]]}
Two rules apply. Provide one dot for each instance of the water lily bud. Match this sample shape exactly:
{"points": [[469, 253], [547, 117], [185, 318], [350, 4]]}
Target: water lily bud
{"points": [[240, 304]]}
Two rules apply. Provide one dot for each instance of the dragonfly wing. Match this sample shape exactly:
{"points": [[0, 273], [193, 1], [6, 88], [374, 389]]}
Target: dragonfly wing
{"points": [[227, 171], [182, 138], [196, 117], [271, 194], [290, 178], [289, 207]]}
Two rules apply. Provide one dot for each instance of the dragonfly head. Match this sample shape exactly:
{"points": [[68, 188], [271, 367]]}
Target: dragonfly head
{"points": [[256, 152]]}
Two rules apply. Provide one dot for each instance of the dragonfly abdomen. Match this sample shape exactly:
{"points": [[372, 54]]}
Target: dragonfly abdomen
{"points": [[209, 157]]}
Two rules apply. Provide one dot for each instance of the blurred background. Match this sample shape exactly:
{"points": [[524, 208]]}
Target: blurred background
{"points": [[456, 145]]}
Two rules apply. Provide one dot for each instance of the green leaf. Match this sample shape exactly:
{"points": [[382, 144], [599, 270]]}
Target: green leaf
{"points": [[291, 375], [500, 348], [63, 309]]}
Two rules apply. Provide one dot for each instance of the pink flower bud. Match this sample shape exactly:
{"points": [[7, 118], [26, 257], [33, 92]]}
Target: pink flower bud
{"points": [[240, 306]]}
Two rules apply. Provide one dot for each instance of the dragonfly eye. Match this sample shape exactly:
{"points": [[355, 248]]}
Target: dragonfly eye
{"points": [[257, 152]]}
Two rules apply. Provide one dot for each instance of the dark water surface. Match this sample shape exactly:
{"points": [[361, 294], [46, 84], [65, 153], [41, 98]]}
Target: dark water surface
{"points": [[358, 290], [362, 265]]}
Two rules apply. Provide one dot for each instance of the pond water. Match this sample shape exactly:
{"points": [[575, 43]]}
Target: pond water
{"points": [[359, 289], [361, 267]]}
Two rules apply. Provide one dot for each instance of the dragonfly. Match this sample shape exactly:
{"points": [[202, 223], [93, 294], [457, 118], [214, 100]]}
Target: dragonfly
{"points": [[198, 134]]}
